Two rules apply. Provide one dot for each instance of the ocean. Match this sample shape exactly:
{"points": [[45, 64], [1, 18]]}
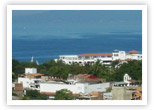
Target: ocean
{"points": [[45, 49]]}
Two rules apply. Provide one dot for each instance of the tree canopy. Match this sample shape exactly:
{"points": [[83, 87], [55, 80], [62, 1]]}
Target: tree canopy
{"points": [[34, 95], [64, 94], [60, 69]]}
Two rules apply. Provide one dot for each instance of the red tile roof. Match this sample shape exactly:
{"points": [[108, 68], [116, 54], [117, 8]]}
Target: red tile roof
{"points": [[96, 54], [37, 74], [87, 76], [133, 52], [91, 77]]}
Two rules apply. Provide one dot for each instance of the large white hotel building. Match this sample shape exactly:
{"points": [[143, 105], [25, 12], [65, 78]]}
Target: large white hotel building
{"points": [[105, 58]]}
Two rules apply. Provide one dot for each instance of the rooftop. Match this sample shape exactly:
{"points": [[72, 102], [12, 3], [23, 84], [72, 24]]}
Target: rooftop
{"points": [[96, 54], [133, 52], [36, 74]]}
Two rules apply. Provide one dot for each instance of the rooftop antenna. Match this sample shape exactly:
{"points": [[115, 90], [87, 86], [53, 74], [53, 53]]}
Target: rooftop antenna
{"points": [[32, 59]]}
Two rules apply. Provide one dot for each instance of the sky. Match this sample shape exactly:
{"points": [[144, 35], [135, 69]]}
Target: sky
{"points": [[28, 24]]}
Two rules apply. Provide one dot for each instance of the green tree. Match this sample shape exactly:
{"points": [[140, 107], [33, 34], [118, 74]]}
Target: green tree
{"points": [[64, 94], [114, 63], [14, 64], [34, 95], [133, 68]]}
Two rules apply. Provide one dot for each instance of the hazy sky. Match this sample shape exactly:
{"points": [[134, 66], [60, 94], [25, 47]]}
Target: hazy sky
{"points": [[73, 23]]}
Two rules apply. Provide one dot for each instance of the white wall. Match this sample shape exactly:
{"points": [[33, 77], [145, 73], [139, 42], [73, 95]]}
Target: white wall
{"points": [[101, 87], [26, 81], [126, 78], [50, 87], [134, 56], [77, 88], [30, 70], [122, 55]]}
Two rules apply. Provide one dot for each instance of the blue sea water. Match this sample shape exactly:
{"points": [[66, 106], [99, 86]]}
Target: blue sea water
{"points": [[48, 48]]}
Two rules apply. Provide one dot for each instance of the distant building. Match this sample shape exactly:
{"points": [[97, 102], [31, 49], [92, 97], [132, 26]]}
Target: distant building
{"points": [[77, 88], [105, 58], [120, 93], [30, 70], [80, 84], [127, 90], [17, 91], [18, 87], [127, 81], [85, 78], [30, 79], [127, 78]]}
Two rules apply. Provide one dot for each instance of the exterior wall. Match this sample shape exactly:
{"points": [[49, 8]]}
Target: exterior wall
{"points": [[134, 56], [82, 61], [122, 55], [68, 57], [30, 70], [49, 87], [126, 78], [76, 89], [18, 87], [96, 87], [119, 55], [26, 81], [44, 78], [120, 93]]}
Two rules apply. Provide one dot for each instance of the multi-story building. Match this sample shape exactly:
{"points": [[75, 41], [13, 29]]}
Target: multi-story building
{"points": [[30, 79], [77, 88], [105, 58]]}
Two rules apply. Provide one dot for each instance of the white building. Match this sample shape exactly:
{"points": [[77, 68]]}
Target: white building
{"points": [[78, 88], [105, 58], [29, 83], [30, 70], [127, 78], [127, 81], [30, 79]]}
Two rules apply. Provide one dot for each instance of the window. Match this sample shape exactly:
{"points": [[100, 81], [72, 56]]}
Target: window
{"points": [[86, 57], [116, 55]]}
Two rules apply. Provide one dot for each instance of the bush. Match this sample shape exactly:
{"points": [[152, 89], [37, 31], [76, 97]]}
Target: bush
{"points": [[64, 94], [34, 95]]}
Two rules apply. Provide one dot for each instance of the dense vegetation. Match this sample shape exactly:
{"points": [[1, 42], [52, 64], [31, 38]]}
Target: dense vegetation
{"points": [[64, 94], [60, 69], [34, 95]]}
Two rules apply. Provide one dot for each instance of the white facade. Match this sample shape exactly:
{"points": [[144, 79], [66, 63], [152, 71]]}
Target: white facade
{"points": [[126, 78], [118, 55], [53, 87], [29, 82], [134, 56], [69, 59], [122, 55], [30, 70], [101, 87], [83, 88]]}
